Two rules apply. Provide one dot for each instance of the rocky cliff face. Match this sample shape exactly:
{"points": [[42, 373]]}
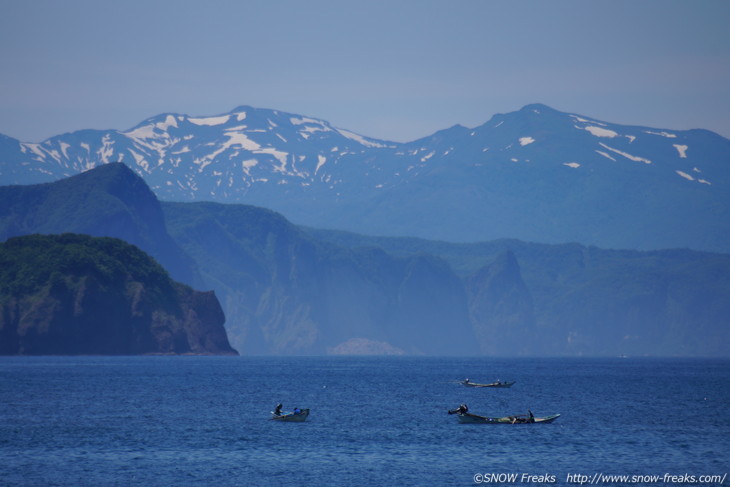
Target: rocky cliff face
{"points": [[74, 294], [501, 308], [558, 300], [287, 293]]}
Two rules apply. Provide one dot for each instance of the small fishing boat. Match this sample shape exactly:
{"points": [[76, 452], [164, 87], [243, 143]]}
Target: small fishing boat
{"points": [[297, 416], [469, 418], [498, 383]]}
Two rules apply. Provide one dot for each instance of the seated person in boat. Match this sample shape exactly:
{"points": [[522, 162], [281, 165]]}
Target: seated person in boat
{"points": [[460, 410]]}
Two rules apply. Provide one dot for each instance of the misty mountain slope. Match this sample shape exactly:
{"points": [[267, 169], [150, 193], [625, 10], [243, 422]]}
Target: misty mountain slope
{"points": [[501, 309], [575, 300], [536, 174], [286, 289], [287, 293], [110, 201], [282, 291]]}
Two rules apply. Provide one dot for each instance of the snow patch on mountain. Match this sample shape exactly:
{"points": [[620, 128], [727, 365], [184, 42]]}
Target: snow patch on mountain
{"points": [[585, 120], [574, 165], [682, 149], [64, 148], [143, 132], [321, 160], [311, 129], [106, 151], [305, 120], [626, 155], [248, 164], [579, 119], [236, 138], [150, 130], [54, 155], [170, 121], [690, 178], [685, 175], [359, 138], [139, 159], [281, 156], [662, 134], [210, 121], [34, 148], [526, 141], [599, 131]]}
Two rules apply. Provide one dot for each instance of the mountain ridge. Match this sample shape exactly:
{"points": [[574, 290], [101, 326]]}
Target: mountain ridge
{"points": [[286, 289], [536, 174], [111, 201]]}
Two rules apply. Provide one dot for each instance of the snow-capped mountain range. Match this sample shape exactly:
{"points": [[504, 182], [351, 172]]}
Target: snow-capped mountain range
{"points": [[537, 174]]}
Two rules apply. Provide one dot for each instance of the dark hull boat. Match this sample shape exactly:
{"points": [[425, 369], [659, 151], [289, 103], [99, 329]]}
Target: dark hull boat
{"points": [[469, 418], [493, 384]]}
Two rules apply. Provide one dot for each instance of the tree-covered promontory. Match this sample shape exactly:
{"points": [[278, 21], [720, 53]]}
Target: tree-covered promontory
{"points": [[75, 294]]}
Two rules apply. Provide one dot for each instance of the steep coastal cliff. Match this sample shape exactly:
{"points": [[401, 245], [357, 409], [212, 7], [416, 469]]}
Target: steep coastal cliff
{"points": [[74, 294]]}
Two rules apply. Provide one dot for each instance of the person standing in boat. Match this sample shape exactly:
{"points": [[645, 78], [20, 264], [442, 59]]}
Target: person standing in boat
{"points": [[277, 411]]}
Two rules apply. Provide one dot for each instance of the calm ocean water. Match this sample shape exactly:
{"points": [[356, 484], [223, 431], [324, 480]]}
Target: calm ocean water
{"points": [[175, 421]]}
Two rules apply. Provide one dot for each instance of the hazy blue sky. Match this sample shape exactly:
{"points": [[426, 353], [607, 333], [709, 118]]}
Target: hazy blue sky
{"points": [[390, 69]]}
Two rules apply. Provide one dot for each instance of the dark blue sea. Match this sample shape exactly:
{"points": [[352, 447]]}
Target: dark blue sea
{"points": [[204, 421]]}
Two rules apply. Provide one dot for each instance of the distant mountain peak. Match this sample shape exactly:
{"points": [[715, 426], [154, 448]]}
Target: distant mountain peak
{"points": [[538, 108], [535, 174]]}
